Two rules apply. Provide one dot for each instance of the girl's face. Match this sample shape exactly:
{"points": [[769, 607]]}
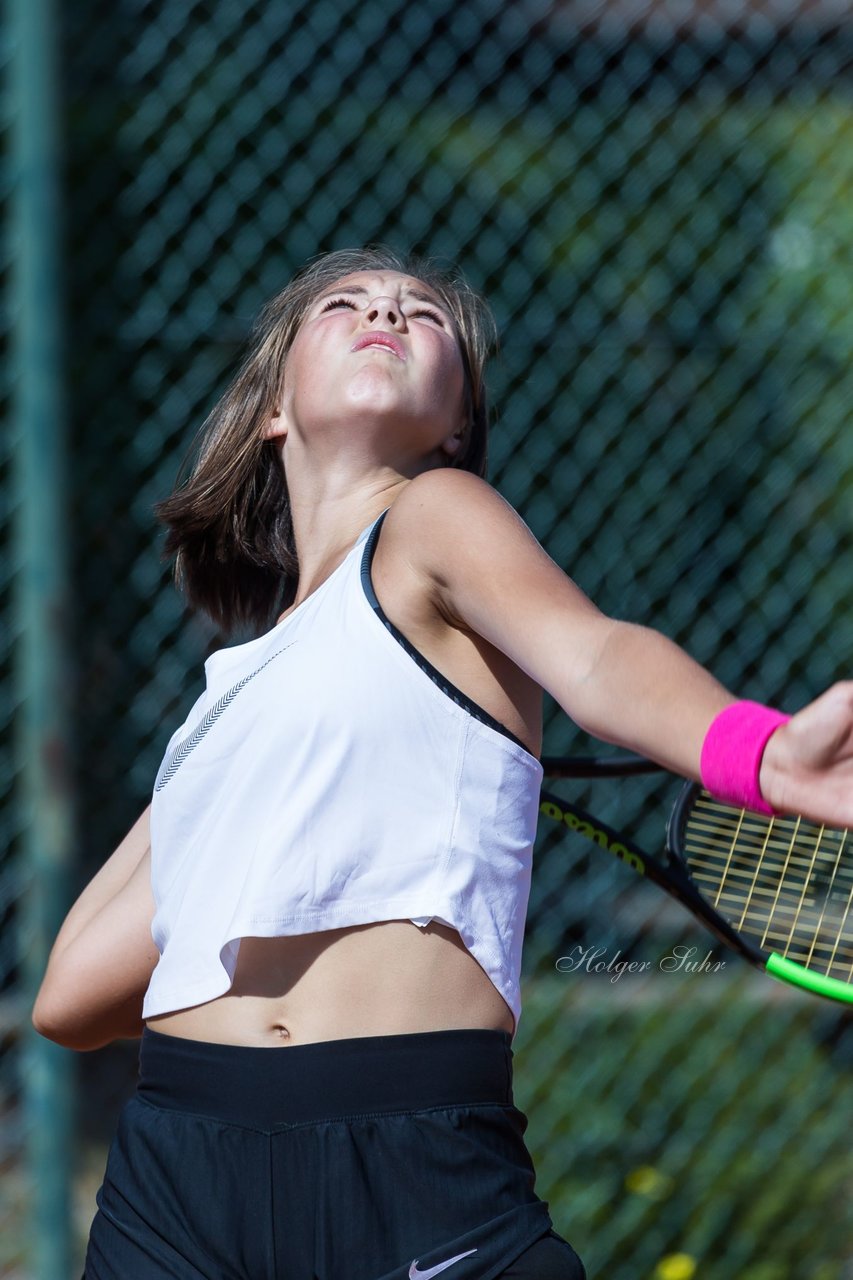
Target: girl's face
{"points": [[378, 348]]}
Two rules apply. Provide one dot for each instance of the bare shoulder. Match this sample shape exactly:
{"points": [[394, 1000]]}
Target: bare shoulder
{"points": [[415, 574], [486, 572], [446, 520], [450, 499], [465, 539]]}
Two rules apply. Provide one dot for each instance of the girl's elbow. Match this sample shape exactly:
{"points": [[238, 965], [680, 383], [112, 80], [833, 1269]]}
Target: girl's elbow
{"points": [[42, 1014], [47, 1024], [56, 1022]]}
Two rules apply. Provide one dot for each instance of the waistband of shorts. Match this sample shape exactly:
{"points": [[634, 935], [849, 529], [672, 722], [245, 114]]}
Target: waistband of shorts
{"points": [[326, 1080]]}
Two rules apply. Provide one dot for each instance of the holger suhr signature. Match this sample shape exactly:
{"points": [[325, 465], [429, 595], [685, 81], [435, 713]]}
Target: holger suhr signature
{"points": [[681, 959]]}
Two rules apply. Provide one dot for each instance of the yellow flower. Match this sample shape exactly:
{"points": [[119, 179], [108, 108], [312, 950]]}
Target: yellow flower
{"points": [[676, 1266], [646, 1181]]}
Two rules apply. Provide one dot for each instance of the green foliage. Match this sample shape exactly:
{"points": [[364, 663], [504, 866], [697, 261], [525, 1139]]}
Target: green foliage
{"points": [[661, 1125]]}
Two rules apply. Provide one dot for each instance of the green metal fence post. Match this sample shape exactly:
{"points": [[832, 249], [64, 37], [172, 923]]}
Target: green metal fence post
{"points": [[41, 617]]}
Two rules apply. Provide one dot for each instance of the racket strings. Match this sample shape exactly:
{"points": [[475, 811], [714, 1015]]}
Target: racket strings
{"points": [[786, 882]]}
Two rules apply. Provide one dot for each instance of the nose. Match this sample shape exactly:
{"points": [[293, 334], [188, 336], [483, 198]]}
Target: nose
{"points": [[384, 310]]}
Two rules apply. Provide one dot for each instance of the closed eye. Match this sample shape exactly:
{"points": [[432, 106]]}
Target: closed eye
{"points": [[420, 311], [433, 315], [339, 302]]}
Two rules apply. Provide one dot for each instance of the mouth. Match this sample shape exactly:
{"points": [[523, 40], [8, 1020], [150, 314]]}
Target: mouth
{"points": [[380, 339]]}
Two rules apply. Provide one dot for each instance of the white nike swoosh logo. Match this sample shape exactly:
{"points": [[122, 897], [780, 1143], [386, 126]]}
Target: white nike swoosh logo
{"points": [[415, 1274]]}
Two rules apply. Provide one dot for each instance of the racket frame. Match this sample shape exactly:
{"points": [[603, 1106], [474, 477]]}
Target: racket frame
{"points": [[672, 874], [778, 966]]}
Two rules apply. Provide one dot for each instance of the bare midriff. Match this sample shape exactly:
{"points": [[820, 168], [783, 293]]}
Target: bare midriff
{"points": [[376, 979]]}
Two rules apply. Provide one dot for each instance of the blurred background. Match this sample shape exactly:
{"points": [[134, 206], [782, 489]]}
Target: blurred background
{"points": [[657, 198]]}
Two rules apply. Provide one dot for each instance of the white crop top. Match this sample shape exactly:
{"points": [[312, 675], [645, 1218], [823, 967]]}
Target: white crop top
{"points": [[330, 776]]}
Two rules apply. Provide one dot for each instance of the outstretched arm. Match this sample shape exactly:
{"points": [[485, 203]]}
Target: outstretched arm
{"points": [[623, 683], [103, 957]]}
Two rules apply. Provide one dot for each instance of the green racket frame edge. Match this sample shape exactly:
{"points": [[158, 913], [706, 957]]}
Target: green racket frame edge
{"points": [[819, 983], [777, 966]]}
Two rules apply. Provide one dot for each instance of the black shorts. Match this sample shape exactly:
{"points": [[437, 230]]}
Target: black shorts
{"points": [[375, 1158]]}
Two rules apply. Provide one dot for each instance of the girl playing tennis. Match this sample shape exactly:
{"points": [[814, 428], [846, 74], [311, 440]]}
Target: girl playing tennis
{"points": [[336, 859]]}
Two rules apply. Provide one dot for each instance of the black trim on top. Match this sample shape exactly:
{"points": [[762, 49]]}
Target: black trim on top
{"points": [[460, 698]]}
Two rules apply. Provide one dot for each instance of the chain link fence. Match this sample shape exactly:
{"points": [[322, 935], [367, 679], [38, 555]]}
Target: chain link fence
{"points": [[657, 198]]}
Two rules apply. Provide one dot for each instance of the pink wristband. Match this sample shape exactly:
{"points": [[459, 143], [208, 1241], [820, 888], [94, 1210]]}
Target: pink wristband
{"points": [[732, 751]]}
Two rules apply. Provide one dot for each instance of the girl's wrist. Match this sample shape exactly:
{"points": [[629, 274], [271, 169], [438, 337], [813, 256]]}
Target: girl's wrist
{"points": [[734, 764]]}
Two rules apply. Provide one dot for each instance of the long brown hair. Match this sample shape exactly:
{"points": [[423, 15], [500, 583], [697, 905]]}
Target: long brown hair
{"points": [[230, 524]]}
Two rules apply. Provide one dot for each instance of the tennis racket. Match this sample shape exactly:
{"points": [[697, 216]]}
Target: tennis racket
{"points": [[778, 891]]}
